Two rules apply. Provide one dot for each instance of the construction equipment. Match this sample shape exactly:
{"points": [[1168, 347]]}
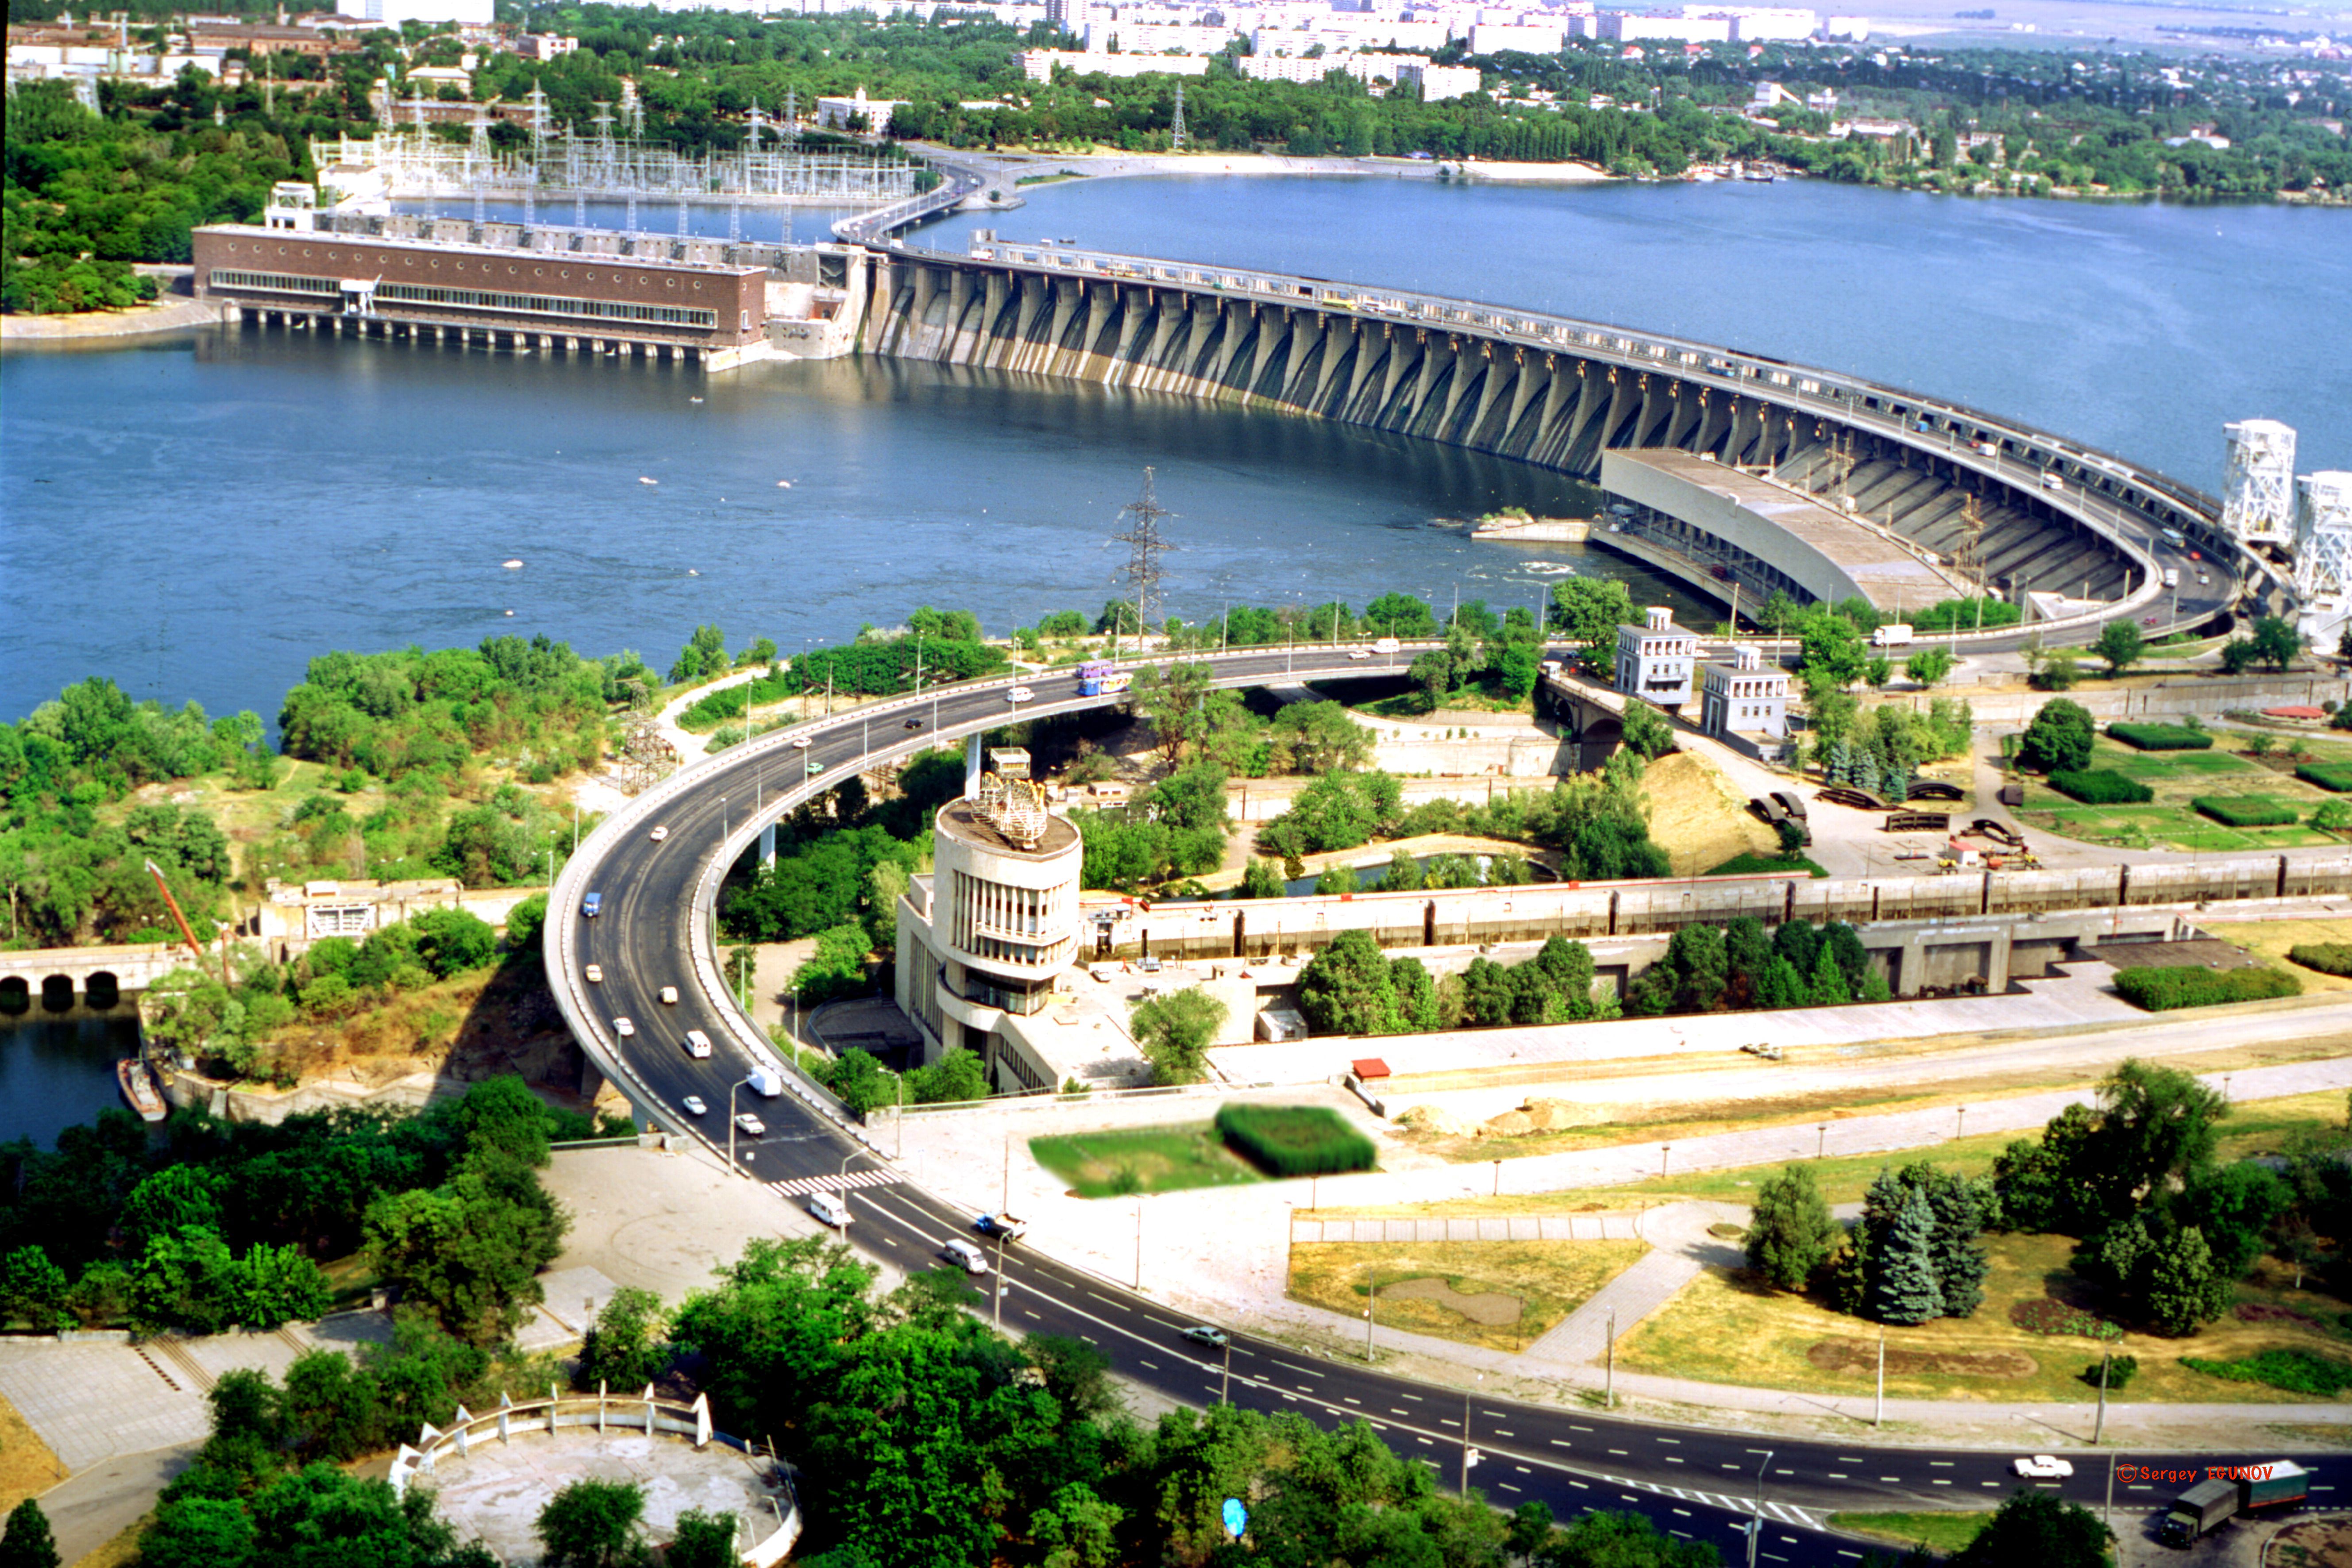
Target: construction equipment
{"points": [[195, 946]]}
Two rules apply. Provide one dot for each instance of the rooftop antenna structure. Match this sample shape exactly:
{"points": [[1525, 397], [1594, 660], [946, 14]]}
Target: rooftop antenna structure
{"points": [[1176, 132], [1145, 546], [792, 128], [2258, 497]]}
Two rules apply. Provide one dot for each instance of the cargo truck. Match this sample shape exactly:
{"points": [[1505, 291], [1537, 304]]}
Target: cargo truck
{"points": [[766, 1081], [2208, 1503]]}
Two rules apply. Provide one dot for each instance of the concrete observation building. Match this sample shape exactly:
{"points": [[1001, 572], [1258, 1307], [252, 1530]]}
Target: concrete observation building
{"points": [[1654, 660], [983, 941], [1744, 698]]}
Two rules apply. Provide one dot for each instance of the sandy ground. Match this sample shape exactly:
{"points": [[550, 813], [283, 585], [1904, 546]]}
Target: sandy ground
{"points": [[1696, 817]]}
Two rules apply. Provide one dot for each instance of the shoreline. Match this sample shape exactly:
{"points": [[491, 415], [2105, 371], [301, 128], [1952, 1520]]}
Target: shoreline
{"points": [[105, 328]]}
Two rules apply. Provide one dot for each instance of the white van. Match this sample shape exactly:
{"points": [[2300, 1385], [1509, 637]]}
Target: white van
{"points": [[828, 1209], [697, 1044], [958, 1250], [1387, 645]]}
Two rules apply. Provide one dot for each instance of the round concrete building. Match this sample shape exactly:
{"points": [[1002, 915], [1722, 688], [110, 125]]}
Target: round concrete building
{"points": [[981, 949]]}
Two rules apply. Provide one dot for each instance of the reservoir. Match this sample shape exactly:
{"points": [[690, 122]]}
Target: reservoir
{"points": [[197, 517]]}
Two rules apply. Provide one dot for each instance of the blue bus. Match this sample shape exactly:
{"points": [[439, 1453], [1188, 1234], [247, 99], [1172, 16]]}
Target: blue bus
{"points": [[1100, 678]]}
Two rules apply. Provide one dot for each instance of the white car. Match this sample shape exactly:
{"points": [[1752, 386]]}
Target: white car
{"points": [[800, 742], [624, 1028], [1019, 694], [750, 1124], [660, 833], [669, 995], [692, 1105], [1359, 653], [595, 973], [2044, 1468]]}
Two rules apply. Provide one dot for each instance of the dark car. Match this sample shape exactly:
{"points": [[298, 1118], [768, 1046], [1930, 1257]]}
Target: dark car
{"points": [[914, 723]]}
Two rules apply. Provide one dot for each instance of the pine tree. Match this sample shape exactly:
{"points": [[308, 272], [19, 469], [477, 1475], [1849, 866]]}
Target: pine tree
{"points": [[1865, 771], [2185, 1290], [1825, 987], [1905, 1290], [1960, 1256], [26, 1543], [1790, 1233], [1781, 985]]}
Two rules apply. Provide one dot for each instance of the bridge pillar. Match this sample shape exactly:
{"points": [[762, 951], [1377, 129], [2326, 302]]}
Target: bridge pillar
{"points": [[972, 765], [767, 845]]}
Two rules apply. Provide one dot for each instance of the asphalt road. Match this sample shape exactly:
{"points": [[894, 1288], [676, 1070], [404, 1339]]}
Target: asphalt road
{"points": [[1693, 1482]]}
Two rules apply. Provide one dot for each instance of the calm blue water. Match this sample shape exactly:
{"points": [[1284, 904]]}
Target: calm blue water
{"points": [[198, 519], [56, 1074]]}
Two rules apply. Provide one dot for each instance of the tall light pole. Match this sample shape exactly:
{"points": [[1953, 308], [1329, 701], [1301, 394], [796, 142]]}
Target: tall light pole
{"points": [[1469, 1456], [731, 1087], [841, 1186], [1756, 1525]]}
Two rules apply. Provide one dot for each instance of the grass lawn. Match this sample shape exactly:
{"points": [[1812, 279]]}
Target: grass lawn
{"points": [[1751, 864], [2269, 939], [1724, 1328], [1942, 1533], [1144, 1160], [2177, 777], [1503, 1295]]}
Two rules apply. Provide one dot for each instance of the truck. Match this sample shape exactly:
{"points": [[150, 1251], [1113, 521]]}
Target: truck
{"points": [[2238, 1490], [765, 1080], [2172, 576], [1894, 634]]}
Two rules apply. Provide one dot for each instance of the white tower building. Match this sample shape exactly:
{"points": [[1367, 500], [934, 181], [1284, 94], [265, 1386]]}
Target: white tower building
{"points": [[2323, 555], [2258, 498]]}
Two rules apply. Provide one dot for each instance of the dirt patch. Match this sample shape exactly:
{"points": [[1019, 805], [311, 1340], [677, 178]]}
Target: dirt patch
{"points": [[1862, 1355], [27, 1468], [1696, 818], [1535, 1116], [2314, 1543], [1488, 1309]]}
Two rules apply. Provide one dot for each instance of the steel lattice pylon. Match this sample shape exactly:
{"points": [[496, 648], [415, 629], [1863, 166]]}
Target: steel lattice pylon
{"points": [[1146, 545], [2322, 534], [2258, 499]]}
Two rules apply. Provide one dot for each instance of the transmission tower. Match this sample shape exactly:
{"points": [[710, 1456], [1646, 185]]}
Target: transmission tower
{"points": [[1145, 546], [1968, 558], [1176, 127]]}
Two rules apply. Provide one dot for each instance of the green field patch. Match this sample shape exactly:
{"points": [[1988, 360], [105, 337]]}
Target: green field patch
{"points": [[2333, 777], [2162, 737], [2160, 990], [2102, 786], [1943, 1533], [2247, 810], [1142, 1159], [2296, 1371], [1296, 1139], [1748, 863]]}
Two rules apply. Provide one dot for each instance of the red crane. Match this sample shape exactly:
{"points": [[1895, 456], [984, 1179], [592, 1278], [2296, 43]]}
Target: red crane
{"points": [[193, 945]]}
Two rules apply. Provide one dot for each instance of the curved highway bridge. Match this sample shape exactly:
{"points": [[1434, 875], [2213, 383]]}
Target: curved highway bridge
{"points": [[656, 928]]}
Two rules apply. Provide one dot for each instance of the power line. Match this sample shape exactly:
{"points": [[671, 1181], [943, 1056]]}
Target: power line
{"points": [[1145, 546]]}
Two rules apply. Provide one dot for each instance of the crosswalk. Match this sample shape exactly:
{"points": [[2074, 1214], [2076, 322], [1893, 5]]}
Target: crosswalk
{"points": [[802, 1187], [1781, 1513]]}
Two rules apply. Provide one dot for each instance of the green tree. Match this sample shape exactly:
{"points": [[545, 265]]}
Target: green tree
{"points": [[1262, 879], [837, 968], [1347, 989], [592, 1523], [2040, 1528], [1646, 730], [2277, 642], [1903, 1289], [1589, 610], [1791, 1234], [187, 1280], [1077, 1529], [958, 1075], [2184, 1289], [2059, 738], [2121, 645], [2235, 1206], [1433, 673], [524, 924], [32, 1291], [700, 1539], [1929, 666], [1695, 958], [1835, 656], [1404, 874], [198, 1533], [26, 1541], [624, 1349], [1175, 1032], [2055, 670], [469, 1252], [454, 941]]}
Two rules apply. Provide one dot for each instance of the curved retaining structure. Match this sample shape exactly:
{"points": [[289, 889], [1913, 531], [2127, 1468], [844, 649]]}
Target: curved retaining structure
{"points": [[1557, 392]]}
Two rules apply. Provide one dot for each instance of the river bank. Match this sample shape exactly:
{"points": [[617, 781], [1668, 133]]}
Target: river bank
{"points": [[108, 329]]}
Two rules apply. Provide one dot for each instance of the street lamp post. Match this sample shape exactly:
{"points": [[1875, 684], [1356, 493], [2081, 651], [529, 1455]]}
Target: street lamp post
{"points": [[1756, 1525], [1469, 1455], [841, 1186], [731, 1087]]}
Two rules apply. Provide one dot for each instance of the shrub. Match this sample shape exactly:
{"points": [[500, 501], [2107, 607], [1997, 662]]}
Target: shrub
{"points": [[2101, 786], [2120, 1371], [2296, 1371], [2188, 986], [2336, 776], [2161, 737], [1296, 1139], [2265, 1312], [2328, 957], [2048, 1317], [2246, 810]]}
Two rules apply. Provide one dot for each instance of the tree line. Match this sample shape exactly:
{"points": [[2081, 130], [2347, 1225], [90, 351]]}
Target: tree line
{"points": [[218, 1224]]}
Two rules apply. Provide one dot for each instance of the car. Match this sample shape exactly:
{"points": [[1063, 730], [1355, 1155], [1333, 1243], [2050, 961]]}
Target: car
{"points": [[1203, 1334], [1019, 694], [2148, 620], [1148, 964], [2044, 1468], [1359, 653], [659, 833], [669, 995], [2202, 578], [827, 1209], [692, 1105], [750, 1125], [595, 973], [800, 742], [815, 767], [592, 906], [622, 1027], [698, 1045], [914, 724], [960, 1251], [1010, 1227]]}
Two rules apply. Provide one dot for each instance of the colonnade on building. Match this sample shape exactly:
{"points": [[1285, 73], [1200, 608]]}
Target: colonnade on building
{"points": [[454, 335]]}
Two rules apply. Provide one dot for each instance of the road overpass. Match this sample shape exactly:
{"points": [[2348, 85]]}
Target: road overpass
{"points": [[657, 928]]}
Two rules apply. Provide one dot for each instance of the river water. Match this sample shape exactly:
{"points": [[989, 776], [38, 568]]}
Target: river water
{"points": [[197, 518]]}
